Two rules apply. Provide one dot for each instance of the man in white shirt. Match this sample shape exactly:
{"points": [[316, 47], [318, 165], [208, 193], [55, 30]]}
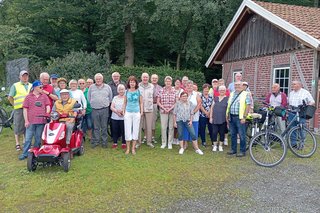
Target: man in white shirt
{"points": [[296, 98]]}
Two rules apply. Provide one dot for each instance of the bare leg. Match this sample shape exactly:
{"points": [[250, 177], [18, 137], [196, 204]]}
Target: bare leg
{"points": [[195, 145], [128, 148], [134, 147]]}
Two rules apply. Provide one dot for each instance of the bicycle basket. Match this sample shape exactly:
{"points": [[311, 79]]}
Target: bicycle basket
{"points": [[279, 111], [308, 112]]}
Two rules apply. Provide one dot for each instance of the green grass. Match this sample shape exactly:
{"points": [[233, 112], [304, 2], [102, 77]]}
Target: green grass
{"points": [[106, 180]]}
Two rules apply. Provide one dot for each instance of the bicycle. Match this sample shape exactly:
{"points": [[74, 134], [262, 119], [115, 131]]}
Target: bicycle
{"points": [[269, 149], [5, 120]]}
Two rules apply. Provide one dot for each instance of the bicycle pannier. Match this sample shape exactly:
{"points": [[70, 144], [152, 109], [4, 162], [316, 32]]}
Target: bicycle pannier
{"points": [[308, 112], [280, 111]]}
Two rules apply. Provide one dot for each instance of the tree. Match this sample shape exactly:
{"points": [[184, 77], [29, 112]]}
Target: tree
{"points": [[123, 16]]}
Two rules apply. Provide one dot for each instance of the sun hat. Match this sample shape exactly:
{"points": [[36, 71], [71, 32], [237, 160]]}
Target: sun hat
{"points": [[64, 91]]}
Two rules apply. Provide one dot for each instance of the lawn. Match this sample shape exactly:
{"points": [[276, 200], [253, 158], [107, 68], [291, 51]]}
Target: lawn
{"points": [[106, 180]]}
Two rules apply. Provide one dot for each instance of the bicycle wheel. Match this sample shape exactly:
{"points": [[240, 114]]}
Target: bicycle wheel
{"points": [[249, 126], [3, 118], [267, 149], [302, 142]]}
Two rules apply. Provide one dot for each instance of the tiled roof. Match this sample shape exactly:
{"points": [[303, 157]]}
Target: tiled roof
{"points": [[305, 18]]}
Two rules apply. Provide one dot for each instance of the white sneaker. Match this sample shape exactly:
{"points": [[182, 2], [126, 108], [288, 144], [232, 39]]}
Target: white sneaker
{"points": [[225, 142], [220, 149], [163, 146], [150, 145], [169, 146], [144, 140], [154, 140], [214, 149], [181, 150], [238, 140], [198, 151]]}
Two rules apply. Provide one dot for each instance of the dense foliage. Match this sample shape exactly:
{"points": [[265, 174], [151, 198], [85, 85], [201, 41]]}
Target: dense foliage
{"points": [[181, 33]]}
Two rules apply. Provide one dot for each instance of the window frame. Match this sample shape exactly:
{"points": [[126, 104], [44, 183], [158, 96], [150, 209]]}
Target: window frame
{"points": [[275, 69]]}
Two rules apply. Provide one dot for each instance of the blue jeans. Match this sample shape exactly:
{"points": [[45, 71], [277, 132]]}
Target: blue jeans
{"points": [[236, 127], [34, 130], [87, 123], [293, 138], [184, 125], [203, 122]]}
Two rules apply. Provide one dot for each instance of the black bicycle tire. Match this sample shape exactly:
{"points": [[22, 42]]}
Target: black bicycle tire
{"points": [[294, 151], [1, 124], [3, 114], [253, 146]]}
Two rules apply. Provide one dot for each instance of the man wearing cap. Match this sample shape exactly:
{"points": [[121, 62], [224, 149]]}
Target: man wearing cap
{"points": [[17, 94], [54, 83], [214, 90], [65, 106], [36, 103], [238, 77], [237, 111], [47, 88]]}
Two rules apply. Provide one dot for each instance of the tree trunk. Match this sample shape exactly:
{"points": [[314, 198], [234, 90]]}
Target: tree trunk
{"points": [[178, 61], [129, 47]]}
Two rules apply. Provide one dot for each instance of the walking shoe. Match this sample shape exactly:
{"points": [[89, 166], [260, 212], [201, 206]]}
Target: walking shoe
{"points": [[238, 140], [144, 140], [220, 149], [169, 146], [198, 151], [22, 157], [137, 145], [150, 145], [214, 149], [163, 146], [154, 140], [226, 142], [231, 153], [114, 146], [18, 147], [93, 145], [240, 154], [123, 146], [204, 144], [181, 150]]}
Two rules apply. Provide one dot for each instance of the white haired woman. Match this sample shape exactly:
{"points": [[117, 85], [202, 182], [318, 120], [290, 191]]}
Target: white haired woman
{"points": [[78, 95], [117, 117]]}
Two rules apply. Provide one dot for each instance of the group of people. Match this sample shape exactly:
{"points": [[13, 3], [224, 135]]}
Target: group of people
{"points": [[133, 107]]}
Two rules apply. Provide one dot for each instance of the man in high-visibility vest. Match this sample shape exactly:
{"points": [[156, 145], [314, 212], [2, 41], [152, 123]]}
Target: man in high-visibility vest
{"points": [[17, 94], [237, 111]]}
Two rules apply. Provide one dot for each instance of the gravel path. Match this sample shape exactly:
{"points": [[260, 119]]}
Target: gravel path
{"points": [[293, 186]]}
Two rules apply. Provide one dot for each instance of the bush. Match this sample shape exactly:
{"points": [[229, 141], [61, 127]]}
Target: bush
{"points": [[162, 72], [77, 65]]}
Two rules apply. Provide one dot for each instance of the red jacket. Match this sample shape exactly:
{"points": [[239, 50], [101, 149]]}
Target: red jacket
{"points": [[284, 101]]}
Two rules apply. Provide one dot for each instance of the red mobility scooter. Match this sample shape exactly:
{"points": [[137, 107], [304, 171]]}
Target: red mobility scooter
{"points": [[54, 150]]}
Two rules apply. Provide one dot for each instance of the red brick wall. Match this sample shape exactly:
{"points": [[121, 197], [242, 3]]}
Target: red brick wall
{"points": [[265, 65]]}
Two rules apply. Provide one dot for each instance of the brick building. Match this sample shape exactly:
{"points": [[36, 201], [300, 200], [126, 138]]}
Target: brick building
{"points": [[270, 43]]}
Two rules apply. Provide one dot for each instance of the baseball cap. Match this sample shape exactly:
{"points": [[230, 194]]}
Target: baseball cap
{"points": [[64, 91], [23, 72], [36, 83], [245, 83], [214, 80], [54, 76]]}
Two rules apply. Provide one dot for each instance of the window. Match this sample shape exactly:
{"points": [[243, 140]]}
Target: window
{"points": [[282, 76]]}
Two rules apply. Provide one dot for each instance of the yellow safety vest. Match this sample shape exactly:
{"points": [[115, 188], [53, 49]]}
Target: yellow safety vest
{"points": [[21, 94], [243, 104], [65, 109]]}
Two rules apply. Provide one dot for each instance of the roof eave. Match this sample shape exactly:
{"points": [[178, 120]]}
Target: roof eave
{"points": [[282, 24]]}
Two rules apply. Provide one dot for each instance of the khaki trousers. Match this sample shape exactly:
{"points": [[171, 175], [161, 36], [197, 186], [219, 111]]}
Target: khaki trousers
{"points": [[166, 123], [146, 122]]}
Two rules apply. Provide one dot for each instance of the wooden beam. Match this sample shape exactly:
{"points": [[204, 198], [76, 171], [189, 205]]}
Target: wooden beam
{"points": [[295, 60]]}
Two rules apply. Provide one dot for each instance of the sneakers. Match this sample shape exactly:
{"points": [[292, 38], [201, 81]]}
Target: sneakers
{"points": [[154, 140], [144, 140], [214, 149], [18, 147], [220, 149], [169, 146], [123, 146], [198, 151], [163, 146], [181, 150], [114, 146], [137, 145], [150, 145], [226, 142]]}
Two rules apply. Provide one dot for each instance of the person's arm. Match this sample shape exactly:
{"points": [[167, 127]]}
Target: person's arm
{"points": [[284, 100], [12, 93], [124, 104], [211, 113], [25, 116], [267, 100], [310, 99], [172, 107], [110, 93], [141, 105], [50, 95], [199, 103]]}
